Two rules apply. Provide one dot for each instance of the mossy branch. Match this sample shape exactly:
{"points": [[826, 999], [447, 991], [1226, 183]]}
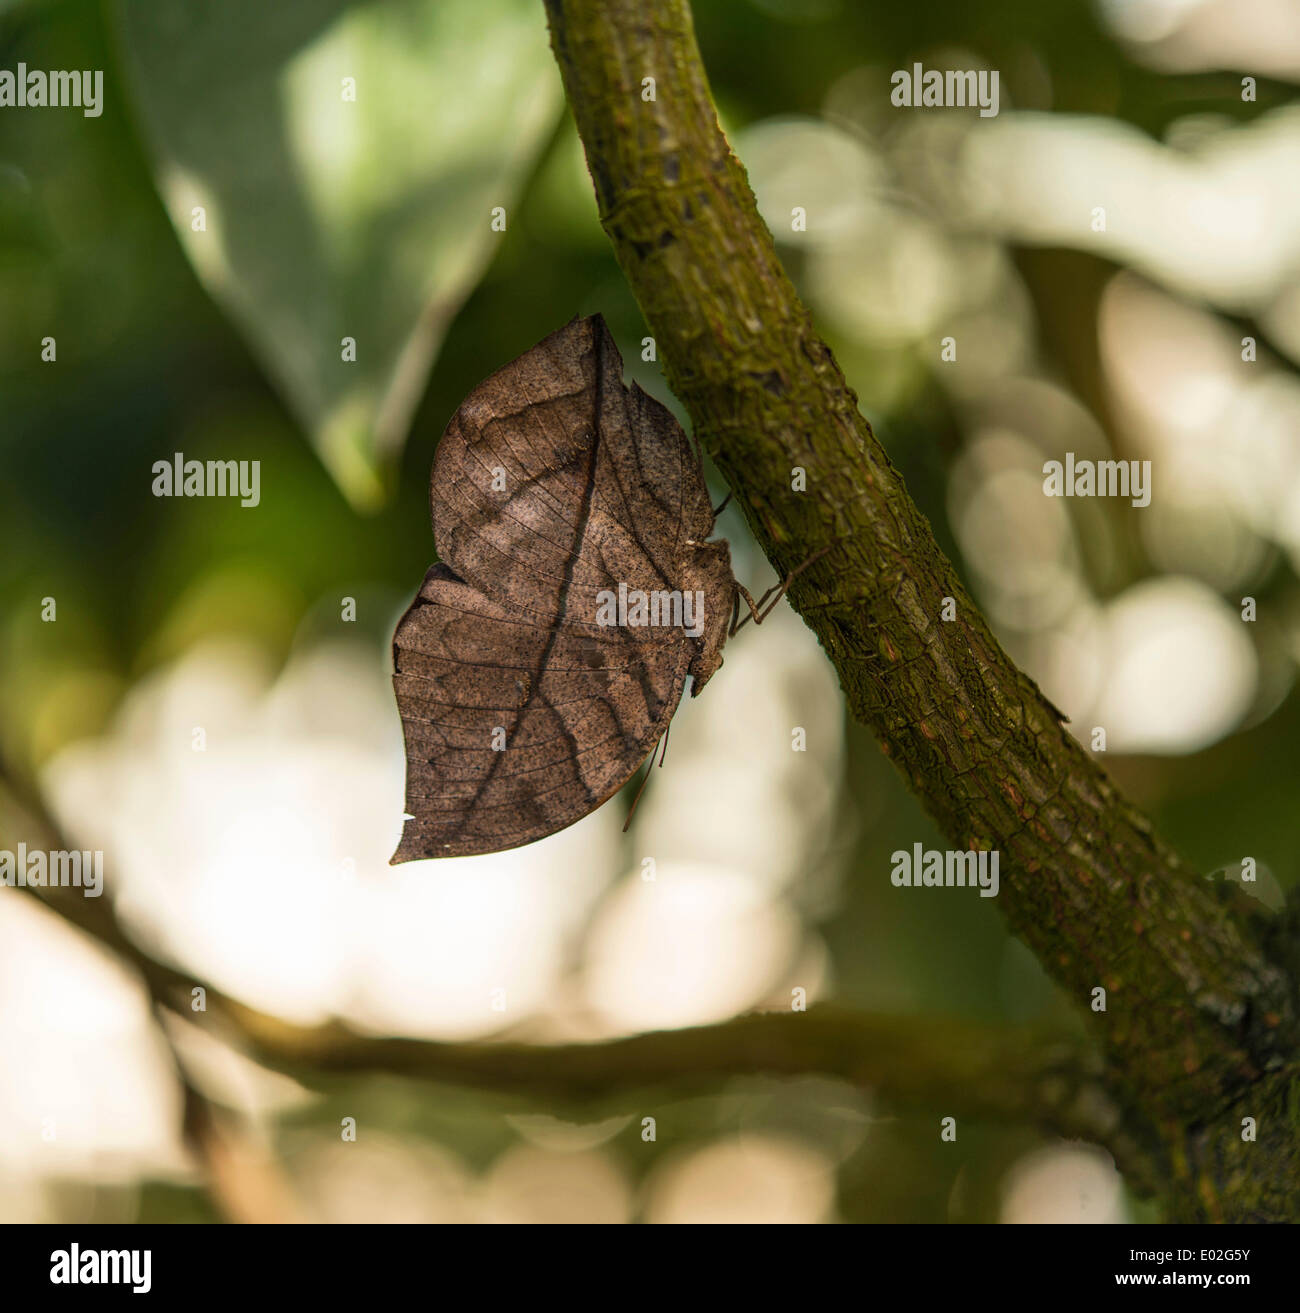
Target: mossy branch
{"points": [[1197, 1011]]}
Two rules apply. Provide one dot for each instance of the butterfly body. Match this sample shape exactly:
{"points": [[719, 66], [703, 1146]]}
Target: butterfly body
{"points": [[555, 489]]}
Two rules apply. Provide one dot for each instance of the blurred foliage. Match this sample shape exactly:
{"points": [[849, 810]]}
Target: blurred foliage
{"points": [[331, 170], [386, 251]]}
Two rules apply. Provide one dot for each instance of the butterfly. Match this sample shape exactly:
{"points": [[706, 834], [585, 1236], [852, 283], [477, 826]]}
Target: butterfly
{"points": [[575, 592]]}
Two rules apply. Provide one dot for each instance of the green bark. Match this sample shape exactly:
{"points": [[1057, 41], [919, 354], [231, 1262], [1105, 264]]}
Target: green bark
{"points": [[1200, 1018]]}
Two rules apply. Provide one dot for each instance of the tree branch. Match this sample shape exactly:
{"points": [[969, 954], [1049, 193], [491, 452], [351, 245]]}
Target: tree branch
{"points": [[1196, 1009], [1010, 1075], [953, 1067], [242, 1186]]}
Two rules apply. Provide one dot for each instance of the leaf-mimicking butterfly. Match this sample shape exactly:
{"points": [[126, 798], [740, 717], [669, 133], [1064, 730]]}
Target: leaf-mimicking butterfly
{"points": [[548, 649]]}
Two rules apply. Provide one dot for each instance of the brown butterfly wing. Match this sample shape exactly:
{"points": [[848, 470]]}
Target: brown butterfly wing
{"points": [[521, 714], [553, 479], [574, 713]]}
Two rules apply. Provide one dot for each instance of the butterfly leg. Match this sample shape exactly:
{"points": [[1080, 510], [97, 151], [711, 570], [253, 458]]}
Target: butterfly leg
{"points": [[760, 610], [722, 505], [754, 613]]}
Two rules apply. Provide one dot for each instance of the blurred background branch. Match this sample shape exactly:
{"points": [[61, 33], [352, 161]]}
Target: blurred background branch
{"points": [[955, 1067], [243, 1183]]}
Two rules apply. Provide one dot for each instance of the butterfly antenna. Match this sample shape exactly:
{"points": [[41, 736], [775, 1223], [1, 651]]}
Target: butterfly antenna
{"points": [[645, 779]]}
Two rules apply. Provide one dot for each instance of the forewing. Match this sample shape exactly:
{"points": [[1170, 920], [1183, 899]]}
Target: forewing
{"points": [[513, 729], [553, 481]]}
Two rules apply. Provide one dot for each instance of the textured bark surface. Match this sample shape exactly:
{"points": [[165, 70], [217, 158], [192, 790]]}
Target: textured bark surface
{"points": [[1197, 1010]]}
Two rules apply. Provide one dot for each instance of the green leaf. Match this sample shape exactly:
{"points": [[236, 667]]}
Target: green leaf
{"points": [[327, 218]]}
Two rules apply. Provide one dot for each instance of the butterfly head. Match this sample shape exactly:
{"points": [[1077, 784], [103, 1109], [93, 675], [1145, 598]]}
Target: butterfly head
{"points": [[709, 572]]}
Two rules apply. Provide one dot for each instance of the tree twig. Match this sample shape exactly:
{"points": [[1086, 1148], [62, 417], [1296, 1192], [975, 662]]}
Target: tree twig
{"points": [[952, 1067], [241, 1184]]}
